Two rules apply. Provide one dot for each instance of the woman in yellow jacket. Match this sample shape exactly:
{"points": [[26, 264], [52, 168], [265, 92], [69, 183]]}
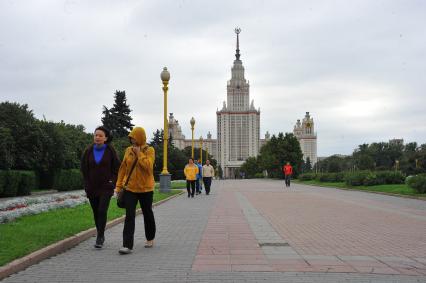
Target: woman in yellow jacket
{"points": [[140, 187], [190, 171]]}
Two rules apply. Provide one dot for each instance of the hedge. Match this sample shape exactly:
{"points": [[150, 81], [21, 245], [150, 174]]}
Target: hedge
{"points": [[331, 177], [17, 183], [68, 180], [307, 176], [418, 183]]}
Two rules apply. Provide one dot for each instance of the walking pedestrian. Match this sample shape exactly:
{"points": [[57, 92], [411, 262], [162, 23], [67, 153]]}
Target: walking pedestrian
{"points": [[198, 181], [140, 188], [288, 172], [208, 173], [99, 166], [190, 171]]}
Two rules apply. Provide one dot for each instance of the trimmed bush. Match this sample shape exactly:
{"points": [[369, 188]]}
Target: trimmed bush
{"points": [[68, 180], [307, 176], [418, 183], [27, 183], [356, 178], [259, 175], [11, 185], [331, 177], [390, 177], [2, 181]]}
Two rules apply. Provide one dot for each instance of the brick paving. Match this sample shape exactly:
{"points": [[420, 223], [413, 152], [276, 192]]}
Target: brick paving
{"points": [[259, 231]]}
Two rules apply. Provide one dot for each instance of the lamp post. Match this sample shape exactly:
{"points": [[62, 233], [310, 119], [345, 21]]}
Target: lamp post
{"points": [[192, 129], [201, 150], [165, 176], [396, 165]]}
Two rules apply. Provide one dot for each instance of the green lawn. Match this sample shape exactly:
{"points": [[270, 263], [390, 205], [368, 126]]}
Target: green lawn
{"points": [[30, 233], [399, 189]]}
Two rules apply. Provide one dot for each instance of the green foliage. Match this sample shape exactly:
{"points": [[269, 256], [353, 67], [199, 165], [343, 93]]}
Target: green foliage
{"points": [[370, 178], [356, 178], [27, 183], [117, 119], [278, 151], [45, 147], [418, 183], [17, 183], [3, 181], [331, 177], [7, 157], [259, 176], [251, 168], [390, 177], [11, 183], [67, 180], [20, 137], [307, 176]]}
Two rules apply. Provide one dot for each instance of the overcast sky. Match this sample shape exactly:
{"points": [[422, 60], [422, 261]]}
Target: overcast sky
{"points": [[359, 67]]}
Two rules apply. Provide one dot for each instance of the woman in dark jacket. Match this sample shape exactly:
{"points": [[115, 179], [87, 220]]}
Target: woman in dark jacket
{"points": [[99, 166]]}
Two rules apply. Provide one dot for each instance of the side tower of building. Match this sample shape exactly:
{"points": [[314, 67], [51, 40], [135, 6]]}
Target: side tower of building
{"points": [[238, 122], [305, 133]]}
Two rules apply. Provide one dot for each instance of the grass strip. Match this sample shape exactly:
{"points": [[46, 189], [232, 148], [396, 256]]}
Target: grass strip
{"points": [[33, 232], [394, 189]]}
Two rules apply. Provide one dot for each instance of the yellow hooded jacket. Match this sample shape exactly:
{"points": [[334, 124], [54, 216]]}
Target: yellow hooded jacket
{"points": [[191, 171], [142, 178]]}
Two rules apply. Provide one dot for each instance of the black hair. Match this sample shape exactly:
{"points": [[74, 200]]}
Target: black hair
{"points": [[191, 159], [107, 132]]}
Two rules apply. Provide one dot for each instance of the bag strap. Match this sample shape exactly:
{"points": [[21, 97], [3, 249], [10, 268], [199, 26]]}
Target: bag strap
{"points": [[131, 171]]}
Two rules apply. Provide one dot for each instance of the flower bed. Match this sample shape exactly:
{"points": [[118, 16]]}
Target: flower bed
{"points": [[18, 207]]}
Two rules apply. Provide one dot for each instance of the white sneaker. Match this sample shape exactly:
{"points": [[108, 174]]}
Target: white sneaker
{"points": [[125, 251]]}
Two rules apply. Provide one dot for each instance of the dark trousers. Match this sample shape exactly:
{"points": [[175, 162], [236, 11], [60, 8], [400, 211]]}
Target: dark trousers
{"points": [[190, 183], [207, 183], [100, 206], [287, 180], [131, 199]]}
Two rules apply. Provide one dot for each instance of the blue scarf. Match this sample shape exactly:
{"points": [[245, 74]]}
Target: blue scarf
{"points": [[98, 152]]}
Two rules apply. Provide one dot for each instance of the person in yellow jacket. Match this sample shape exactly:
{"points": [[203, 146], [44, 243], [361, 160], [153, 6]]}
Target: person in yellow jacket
{"points": [[140, 187], [190, 171]]}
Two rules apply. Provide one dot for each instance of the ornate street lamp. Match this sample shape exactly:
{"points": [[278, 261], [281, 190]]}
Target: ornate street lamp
{"points": [[201, 150], [165, 176], [192, 129]]}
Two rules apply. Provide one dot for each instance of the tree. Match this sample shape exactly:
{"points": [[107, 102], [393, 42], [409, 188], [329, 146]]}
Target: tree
{"points": [[117, 119], [250, 167], [278, 151], [307, 166], [20, 126]]}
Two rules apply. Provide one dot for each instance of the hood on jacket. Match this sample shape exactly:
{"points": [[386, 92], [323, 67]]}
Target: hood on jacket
{"points": [[138, 133]]}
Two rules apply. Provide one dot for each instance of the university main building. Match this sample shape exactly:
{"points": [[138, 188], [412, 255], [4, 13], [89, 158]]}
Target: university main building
{"points": [[238, 126]]}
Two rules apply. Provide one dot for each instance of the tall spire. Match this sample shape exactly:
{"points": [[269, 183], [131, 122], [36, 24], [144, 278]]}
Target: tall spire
{"points": [[237, 55]]}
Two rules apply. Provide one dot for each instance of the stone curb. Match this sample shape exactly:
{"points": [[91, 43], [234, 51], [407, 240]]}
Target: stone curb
{"points": [[61, 246]]}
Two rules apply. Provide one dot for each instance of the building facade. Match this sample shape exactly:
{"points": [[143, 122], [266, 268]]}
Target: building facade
{"points": [[179, 140], [305, 133], [238, 122]]}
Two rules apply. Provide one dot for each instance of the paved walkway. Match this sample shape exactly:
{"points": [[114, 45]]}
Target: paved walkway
{"points": [[259, 231]]}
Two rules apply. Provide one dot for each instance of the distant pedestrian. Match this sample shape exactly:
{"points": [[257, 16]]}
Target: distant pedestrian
{"points": [[198, 182], [288, 172], [208, 174], [99, 166], [190, 171], [140, 187]]}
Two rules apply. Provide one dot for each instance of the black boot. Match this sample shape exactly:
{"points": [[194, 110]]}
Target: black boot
{"points": [[99, 242]]}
